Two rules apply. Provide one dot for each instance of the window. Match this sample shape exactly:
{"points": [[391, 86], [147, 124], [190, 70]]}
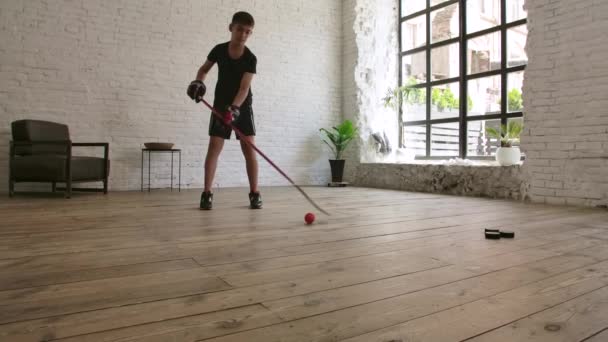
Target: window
{"points": [[462, 66], [490, 9]]}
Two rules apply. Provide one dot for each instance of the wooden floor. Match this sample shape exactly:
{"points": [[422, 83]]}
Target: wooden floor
{"points": [[385, 266]]}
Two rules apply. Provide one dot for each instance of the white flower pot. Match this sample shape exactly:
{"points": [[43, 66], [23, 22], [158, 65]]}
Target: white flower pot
{"points": [[507, 156]]}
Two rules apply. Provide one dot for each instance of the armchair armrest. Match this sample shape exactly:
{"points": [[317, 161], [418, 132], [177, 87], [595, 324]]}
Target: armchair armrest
{"points": [[91, 144], [105, 145], [106, 149]]}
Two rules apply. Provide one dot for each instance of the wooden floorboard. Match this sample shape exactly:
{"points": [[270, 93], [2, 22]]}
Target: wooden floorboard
{"points": [[575, 320], [385, 266]]}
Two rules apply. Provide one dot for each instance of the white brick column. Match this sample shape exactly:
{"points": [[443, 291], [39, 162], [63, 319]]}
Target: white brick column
{"points": [[566, 106]]}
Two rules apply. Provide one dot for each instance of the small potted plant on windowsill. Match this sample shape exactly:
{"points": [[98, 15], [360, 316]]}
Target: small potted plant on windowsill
{"points": [[338, 139], [507, 154]]}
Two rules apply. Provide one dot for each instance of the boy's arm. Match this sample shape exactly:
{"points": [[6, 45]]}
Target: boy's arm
{"points": [[243, 89], [204, 70], [197, 89]]}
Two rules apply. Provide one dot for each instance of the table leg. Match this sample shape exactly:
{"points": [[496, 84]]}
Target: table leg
{"points": [[142, 171], [149, 165]]}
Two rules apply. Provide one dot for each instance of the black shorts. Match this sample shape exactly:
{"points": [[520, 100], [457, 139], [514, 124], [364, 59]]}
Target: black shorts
{"points": [[245, 124]]}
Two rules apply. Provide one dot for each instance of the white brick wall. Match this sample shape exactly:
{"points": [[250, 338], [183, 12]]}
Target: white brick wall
{"points": [[370, 68], [375, 72], [117, 71], [566, 108], [350, 107]]}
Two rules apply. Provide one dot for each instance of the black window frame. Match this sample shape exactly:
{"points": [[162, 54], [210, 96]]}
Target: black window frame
{"points": [[463, 77]]}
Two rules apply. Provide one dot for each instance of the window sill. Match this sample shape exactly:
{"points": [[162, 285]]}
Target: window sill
{"points": [[403, 157], [444, 162]]}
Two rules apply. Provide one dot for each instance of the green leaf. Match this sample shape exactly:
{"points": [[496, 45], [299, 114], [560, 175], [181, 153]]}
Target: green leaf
{"points": [[514, 130], [330, 147], [492, 132], [333, 137], [514, 100], [435, 95]]}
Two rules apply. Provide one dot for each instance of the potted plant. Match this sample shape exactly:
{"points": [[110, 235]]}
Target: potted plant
{"points": [[338, 139], [507, 154]]}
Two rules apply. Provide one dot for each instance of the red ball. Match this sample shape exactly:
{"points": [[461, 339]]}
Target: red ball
{"points": [[309, 218]]}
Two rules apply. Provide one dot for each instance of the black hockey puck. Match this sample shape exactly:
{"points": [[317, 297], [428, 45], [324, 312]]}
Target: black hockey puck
{"points": [[507, 235], [492, 235]]}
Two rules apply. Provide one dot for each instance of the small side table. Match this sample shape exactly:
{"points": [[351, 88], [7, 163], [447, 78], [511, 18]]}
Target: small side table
{"points": [[172, 151]]}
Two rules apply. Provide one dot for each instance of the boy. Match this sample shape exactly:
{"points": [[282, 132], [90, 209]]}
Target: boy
{"points": [[237, 65]]}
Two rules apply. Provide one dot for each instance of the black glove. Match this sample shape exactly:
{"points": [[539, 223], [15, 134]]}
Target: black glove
{"points": [[196, 90], [231, 114]]}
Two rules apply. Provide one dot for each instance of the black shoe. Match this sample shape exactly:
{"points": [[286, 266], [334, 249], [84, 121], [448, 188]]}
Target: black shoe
{"points": [[255, 200], [206, 200]]}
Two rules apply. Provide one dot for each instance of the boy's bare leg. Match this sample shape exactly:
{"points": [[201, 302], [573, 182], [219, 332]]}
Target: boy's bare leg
{"points": [[251, 163], [213, 152]]}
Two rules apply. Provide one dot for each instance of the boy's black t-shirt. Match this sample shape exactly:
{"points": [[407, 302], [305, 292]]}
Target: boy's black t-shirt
{"points": [[230, 74]]}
